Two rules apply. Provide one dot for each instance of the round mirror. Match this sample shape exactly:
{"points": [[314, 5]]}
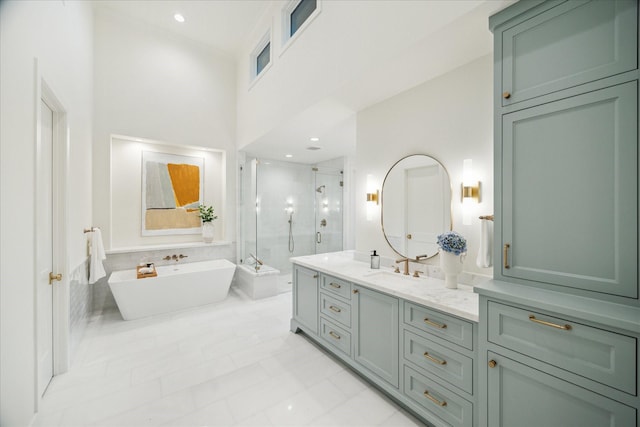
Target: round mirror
{"points": [[416, 205]]}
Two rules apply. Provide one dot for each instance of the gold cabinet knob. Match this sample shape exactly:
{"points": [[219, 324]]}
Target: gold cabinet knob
{"points": [[409, 236], [506, 95], [355, 291], [492, 363], [53, 277]]}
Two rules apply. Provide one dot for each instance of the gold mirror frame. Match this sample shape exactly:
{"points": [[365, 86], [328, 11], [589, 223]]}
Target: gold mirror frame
{"points": [[382, 197]]}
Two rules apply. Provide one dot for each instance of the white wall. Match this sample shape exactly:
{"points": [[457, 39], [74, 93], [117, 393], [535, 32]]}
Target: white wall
{"points": [[449, 118], [60, 36], [154, 85], [332, 66]]}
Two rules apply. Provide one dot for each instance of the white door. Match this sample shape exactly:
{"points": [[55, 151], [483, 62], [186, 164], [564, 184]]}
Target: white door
{"points": [[44, 259]]}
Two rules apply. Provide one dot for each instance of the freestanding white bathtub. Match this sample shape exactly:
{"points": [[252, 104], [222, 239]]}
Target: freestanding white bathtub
{"points": [[176, 287], [258, 284]]}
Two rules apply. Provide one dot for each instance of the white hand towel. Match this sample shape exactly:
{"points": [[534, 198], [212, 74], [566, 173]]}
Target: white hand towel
{"points": [[486, 243], [96, 269]]}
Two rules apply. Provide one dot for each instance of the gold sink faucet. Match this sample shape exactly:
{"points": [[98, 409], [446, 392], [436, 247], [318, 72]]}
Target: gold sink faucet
{"points": [[406, 265]]}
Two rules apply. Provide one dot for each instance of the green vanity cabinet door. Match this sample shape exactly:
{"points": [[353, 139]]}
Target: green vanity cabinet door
{"points": [[519, 395], [376, 332], [570, 192], [305, 298], [566, 45]]}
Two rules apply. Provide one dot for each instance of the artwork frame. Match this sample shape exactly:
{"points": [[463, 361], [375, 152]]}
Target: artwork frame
{"points": [[172, 190]]}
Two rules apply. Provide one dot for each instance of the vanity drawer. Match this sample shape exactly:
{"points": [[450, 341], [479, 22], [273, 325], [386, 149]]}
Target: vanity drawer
{"points": [[435, 359], [335, 336], [447, 327], [601, 355], [336, 286], [437, 399], [335, 309]]}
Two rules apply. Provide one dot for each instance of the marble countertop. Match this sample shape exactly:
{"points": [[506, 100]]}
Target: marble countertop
{"points": [[426, 291]]}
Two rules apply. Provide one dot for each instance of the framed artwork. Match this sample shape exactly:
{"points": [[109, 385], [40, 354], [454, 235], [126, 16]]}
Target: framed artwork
{"points": [[172, 190]]}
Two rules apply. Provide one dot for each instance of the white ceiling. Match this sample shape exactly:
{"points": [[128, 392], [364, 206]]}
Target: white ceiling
{"points": [[222, 24], [432, 49]]}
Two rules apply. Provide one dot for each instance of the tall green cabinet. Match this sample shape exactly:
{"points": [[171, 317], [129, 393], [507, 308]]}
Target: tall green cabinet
{"points": [[560, 323]]}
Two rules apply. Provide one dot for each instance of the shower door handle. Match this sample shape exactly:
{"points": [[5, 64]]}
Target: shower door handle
{"points": [[318, 237]]}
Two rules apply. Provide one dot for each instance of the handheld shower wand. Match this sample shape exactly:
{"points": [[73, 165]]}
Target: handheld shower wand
{"points": [[291, 241]]}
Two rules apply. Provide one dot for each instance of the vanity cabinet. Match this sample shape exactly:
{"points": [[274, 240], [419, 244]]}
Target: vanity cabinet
{"points": [[423, 358], [305, 298], [566, 146], [519, 395], [558, 45], [569, 200], [560, 323], [376, 322]]}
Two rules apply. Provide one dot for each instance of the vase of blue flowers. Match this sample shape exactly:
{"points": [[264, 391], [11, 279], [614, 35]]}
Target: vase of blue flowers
{"points": [[453, 250]]}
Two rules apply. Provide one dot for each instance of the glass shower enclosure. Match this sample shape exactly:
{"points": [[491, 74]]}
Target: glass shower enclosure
{"points": [[286, 210]]}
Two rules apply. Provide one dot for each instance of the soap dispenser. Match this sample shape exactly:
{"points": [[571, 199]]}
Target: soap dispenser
{"points": [[375, 260]]}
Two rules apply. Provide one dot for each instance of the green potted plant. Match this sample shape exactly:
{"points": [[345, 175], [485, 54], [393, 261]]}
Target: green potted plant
{"points": [[207, 215]]}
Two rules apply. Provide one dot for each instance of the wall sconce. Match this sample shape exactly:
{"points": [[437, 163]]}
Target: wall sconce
{"points": [[374, 197], [469, 190]]}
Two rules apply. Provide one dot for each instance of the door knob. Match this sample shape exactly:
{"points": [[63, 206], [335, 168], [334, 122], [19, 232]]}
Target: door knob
{"points": [[53, 277]]}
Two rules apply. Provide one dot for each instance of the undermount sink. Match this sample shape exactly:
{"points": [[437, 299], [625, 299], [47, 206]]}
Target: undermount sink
{"points": [[384, 274]]}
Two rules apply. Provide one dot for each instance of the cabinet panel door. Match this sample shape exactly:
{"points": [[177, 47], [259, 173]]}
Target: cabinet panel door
{"points": [[305, 298], [570, 192], [584, 40], [519, 395], [594, 353], [376, 333]]}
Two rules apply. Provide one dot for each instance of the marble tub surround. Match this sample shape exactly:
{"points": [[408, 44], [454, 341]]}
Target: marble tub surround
{"points": [[426, 291]]}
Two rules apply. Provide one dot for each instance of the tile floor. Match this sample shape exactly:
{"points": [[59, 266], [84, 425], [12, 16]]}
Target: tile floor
{"points": [[228, 364]]}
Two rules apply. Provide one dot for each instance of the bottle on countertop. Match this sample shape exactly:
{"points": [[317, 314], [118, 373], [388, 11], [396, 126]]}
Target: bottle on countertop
{"points": [[375, 260]]}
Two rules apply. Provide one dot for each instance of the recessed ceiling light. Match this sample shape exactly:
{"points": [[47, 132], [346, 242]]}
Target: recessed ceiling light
{"points": [[314, 139], [288, 156], [178, 17]]}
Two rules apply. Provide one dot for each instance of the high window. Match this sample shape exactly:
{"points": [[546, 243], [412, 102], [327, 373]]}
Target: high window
{"points": [[300, 14], [296, 15], [263, 58], [260, 58]]}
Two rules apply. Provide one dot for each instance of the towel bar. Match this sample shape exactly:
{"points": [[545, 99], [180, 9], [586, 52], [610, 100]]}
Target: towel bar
{"points": [[489, 217], [90, 230]]}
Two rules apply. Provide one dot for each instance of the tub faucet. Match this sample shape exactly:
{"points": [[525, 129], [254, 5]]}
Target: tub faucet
{"points": [[255, 258]]}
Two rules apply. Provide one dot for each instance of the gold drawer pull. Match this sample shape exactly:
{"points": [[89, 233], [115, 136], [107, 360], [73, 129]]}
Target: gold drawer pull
{"points": [[432, 323], [433, 399], [434, 360], [506, 95], [505, 254], [553, 325], [355, 291], [335, 285], [334, 308], [492, 363], [333, 334], [315, 276]]}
